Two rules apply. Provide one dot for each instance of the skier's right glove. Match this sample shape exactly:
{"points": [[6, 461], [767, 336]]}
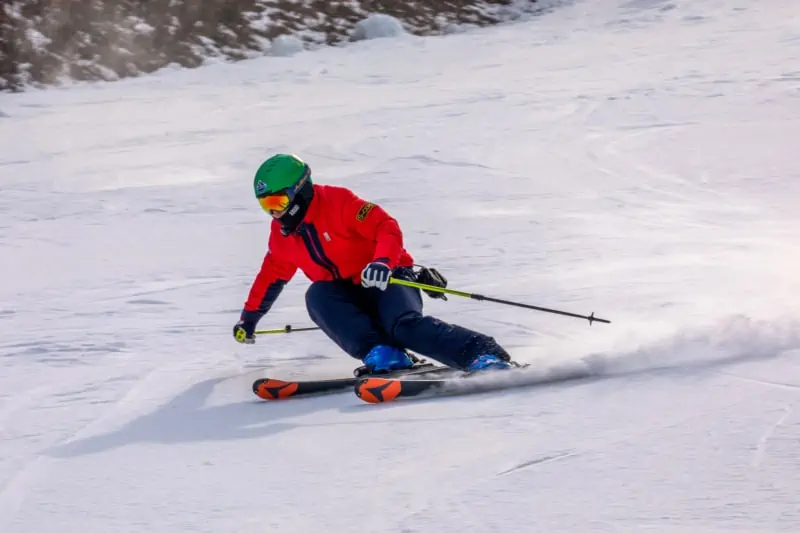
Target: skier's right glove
{"points": [[245, 332], [376, 274]]}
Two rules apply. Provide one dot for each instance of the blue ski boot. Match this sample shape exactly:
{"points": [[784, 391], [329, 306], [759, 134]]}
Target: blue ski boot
{"points": [[488, 362], [383, 359]]}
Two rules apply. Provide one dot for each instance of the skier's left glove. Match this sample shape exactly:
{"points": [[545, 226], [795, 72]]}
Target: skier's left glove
{"points": [[434, 278], [376, 274], [245, 332]]}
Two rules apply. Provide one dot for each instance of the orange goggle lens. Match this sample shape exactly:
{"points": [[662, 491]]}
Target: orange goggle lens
{"points": [[275, 202]]}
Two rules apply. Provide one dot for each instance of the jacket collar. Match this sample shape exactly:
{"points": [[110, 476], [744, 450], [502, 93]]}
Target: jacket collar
{"points": [[310, 216], [313, 208]]}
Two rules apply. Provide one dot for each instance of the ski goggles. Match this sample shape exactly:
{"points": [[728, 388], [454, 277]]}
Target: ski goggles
{"points": [[276, 202]]}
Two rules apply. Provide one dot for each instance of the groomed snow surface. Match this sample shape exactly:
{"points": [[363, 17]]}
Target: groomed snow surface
{"points": [[637, 159]]}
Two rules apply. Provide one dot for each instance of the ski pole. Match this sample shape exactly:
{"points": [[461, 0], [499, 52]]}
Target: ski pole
{"points": [[288, 328], [591, 318]]}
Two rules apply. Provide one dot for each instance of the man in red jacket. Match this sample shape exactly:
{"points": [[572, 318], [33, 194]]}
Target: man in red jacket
{"points": [[349, 249]]}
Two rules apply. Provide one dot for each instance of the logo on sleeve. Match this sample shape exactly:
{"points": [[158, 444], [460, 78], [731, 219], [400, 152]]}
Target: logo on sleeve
{"points": [[364, 211]]}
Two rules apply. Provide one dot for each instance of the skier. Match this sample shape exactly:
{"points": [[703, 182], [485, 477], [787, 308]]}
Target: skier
{"points": [[349, 249]]}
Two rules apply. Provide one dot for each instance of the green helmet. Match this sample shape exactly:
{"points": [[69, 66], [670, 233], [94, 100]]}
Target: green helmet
{"points": [[280, 172]]}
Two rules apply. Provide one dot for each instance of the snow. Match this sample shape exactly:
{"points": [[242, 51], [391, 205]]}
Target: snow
{"points": [[286, 46], [377, 26], [636, 159], [37, 40]]}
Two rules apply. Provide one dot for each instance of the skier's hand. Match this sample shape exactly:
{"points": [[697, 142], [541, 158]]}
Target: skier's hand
{"points": [[434, 278], [244, 332], [376, 274]]}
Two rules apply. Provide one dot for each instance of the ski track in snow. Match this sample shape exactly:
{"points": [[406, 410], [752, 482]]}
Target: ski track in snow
{"points": [[758, 455], [632, 158]]}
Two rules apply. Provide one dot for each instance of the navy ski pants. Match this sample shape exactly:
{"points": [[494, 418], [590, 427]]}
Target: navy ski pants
{"points": [[358, 318]]}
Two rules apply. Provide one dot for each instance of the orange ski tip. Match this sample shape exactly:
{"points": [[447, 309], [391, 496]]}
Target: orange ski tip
{"points": [[274, 389], [378, 390]]}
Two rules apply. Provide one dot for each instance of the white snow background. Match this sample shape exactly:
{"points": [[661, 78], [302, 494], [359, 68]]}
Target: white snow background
{"points": [[638, 159]]}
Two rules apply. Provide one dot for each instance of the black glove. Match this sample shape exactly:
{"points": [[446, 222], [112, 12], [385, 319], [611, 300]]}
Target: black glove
{"points": [[376, 274], [245, 332], [431, 276]]}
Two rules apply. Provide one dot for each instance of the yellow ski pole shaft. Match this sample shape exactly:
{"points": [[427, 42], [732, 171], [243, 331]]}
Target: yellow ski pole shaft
{"points": [[286, 329], [591, 318]]}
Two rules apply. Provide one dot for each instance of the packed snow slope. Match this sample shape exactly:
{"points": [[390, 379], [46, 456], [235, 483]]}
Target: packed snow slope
{"points": [[635, 158]]}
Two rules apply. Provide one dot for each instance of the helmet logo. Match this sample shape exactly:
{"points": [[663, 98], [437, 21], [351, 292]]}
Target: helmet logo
{"points": [[261, 187]]}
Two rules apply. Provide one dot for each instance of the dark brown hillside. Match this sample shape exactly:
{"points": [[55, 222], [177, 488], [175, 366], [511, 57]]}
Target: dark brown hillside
{"points": [[43, 42]]}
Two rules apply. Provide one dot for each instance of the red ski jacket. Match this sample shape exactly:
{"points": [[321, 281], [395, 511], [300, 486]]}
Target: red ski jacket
{"points": [[339, 235]]}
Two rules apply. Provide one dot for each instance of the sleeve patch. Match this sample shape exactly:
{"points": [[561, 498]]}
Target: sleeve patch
{"points": [[364, 211]]}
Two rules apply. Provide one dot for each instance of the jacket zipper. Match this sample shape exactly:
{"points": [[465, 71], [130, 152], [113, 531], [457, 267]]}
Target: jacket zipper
{"points": [[310, 239]]}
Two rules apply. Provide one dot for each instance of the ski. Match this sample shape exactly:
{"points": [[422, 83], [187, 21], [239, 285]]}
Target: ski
{"points": [[279, 389], [381, 390], [376, 389]]}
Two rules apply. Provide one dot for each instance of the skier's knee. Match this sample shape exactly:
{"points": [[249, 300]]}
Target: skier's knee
{"points": [[312, 293], [317, 294], [320, 301]]}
